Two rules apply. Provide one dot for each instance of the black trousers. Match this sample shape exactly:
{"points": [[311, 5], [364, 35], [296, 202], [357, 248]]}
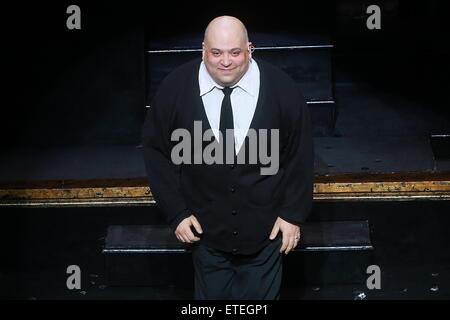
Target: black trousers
{"points": [[222, 276]]}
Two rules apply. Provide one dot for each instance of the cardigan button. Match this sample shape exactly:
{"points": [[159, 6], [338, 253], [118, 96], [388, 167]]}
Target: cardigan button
{"points": [[235, 251], [232, 189], [235, 233], [233, 212]]}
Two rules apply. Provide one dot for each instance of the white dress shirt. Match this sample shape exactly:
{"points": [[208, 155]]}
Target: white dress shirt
{"points": [[243, 101]]}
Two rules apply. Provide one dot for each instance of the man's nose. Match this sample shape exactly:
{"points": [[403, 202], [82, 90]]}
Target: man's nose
{"points": [[226, 61]]}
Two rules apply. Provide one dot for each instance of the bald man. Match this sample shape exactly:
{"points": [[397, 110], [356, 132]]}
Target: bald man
{"points": [[230, 109]]}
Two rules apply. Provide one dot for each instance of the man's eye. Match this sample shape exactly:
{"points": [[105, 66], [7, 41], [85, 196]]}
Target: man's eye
{"points": [[236, 53], [216, 53]]}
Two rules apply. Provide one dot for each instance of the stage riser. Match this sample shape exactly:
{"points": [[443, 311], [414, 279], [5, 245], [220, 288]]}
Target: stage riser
{"points": [[307, 61], [152, 255], [310, 68]]}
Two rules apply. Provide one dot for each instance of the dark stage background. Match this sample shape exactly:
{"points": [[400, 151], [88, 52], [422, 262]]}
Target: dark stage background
{"points": [[87, 87]]}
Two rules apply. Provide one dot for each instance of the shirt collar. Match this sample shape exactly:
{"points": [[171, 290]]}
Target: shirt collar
{"points": [[246, 83]]}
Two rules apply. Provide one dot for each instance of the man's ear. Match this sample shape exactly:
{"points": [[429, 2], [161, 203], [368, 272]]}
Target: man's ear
{"points": [[203, 51], [251, 48]]}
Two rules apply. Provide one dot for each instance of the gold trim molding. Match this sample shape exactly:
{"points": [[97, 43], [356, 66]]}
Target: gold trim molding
{"points": [[141, 195]]}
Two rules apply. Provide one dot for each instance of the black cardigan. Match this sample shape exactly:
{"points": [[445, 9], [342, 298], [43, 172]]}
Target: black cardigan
{"points": [[235, 205]]}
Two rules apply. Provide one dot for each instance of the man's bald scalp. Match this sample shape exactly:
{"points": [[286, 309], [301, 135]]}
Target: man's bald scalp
{"points": [[224, 21]]}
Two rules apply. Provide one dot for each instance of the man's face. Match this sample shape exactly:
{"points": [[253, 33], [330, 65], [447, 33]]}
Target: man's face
{"points": [[226, 57]]}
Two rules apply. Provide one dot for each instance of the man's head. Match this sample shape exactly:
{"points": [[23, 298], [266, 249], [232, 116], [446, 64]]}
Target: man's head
{"points": [[226, 50]]}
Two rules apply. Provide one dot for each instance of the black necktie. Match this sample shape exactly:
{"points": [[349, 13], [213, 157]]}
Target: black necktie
{"points": [[226, 118]]}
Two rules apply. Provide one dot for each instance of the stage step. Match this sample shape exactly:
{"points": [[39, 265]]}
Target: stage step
{"points": [[151, 254], [306, 58]]}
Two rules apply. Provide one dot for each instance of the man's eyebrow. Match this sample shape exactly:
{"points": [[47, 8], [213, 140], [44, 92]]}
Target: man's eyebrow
{"points": [[234, 49]]}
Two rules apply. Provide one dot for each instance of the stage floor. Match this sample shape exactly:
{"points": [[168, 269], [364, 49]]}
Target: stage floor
{"points": [[410, 242]]}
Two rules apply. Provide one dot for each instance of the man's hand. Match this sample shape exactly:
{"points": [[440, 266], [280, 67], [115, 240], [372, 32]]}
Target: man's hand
{"points": [[291, 234], [184, 232]]}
